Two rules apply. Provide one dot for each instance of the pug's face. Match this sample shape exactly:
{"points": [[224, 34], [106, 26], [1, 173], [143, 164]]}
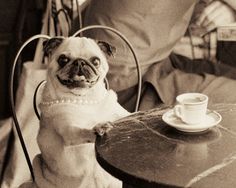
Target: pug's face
{"points": [[77, 63]]}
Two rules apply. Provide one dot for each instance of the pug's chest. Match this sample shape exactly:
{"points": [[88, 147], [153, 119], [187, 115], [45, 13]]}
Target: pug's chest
{"points": [[80, 116]]}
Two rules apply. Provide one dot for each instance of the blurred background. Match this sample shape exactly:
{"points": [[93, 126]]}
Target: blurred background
{"points": [[20, 19]]}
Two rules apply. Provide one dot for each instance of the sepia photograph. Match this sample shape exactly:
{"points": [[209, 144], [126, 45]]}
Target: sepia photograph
{"points": [[118, 94]]}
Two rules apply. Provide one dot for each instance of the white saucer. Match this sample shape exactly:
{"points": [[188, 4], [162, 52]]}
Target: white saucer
{"points": [[212, 118]]}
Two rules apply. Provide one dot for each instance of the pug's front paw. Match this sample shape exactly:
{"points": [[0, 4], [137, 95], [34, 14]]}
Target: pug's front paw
{"points": [[102, 128]]}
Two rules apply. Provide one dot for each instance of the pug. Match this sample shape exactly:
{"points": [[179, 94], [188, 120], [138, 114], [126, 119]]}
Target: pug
{"points": [[75, 107]]}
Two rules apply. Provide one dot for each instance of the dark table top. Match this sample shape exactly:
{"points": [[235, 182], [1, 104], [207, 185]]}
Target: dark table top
{"points": [[143, 151]]}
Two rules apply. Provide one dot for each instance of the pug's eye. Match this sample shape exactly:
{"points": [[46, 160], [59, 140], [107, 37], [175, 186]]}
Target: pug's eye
{"points": [[95, 61], [63, 60]]}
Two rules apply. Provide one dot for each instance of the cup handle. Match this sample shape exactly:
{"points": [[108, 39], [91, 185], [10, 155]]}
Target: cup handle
{"points": [[178, 110]]}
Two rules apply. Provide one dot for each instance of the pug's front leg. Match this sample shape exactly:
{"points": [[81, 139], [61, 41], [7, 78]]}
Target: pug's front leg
{"points": [[102, 128], [72, 135]]}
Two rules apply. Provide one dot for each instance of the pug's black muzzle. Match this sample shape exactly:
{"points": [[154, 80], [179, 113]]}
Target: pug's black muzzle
{"points": [[79, 73]]}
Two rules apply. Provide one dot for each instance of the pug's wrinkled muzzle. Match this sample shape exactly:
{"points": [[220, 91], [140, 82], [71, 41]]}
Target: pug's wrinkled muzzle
{"points": [[79, 73]]}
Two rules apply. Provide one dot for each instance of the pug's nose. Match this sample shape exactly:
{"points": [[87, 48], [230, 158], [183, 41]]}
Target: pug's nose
{"points": [[79, 63]]}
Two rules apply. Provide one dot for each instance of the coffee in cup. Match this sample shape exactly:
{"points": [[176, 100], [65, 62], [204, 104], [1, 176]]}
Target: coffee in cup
{"points": [[191, 107]]}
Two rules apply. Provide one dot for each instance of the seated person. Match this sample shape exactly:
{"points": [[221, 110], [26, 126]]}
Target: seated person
{"points": [[154, 28]]}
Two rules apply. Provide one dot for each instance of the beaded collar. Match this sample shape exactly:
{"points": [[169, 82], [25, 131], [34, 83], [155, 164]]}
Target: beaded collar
{"points": [[80, 101]]}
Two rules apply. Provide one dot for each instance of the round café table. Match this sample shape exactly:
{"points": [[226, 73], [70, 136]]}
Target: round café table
{"points": [[144, 152]]}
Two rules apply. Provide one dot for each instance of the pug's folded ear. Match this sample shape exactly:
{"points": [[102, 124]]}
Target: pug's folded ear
{"points": [[107, 48], [51, 44]]}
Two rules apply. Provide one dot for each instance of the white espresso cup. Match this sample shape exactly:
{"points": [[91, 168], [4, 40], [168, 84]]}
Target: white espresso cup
{"points": [[191, 107]]}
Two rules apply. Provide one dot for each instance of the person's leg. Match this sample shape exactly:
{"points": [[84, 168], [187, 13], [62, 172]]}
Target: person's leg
{"points": [[175, 75], [178, 75], [149, 98]]}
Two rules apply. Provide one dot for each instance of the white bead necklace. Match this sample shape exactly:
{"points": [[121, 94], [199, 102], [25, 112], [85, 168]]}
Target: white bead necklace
{"points": [[81, 101]]}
